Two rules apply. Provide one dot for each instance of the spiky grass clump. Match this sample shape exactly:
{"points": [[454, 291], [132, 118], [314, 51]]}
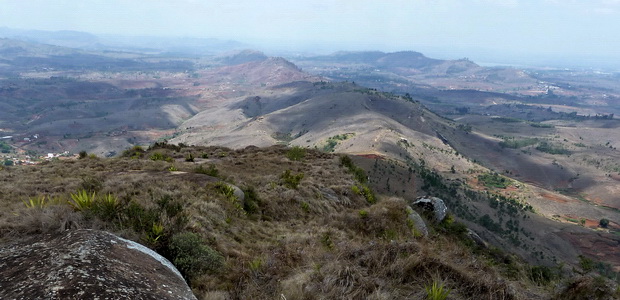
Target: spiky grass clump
{"points": [[436, 291], [82, 200]]}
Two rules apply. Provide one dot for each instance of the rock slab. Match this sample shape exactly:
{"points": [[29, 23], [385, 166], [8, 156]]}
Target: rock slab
{"points": [[87, 264], [418, 223], [434, 205]]}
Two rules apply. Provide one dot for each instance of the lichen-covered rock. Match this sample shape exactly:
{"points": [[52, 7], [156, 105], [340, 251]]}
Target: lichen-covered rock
{"points": [[87, 264], [476, 238], [237, 192], [434, 205], [419, 226]]}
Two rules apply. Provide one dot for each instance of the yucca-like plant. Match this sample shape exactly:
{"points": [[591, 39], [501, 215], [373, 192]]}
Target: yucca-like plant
{"points": [[82, 200], [36, 202], [436, 291], [157, 231], [109, 200], [107, 207]]}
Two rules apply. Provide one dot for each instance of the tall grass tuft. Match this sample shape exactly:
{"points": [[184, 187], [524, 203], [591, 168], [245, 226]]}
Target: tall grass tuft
{"points": [[436, 291]]}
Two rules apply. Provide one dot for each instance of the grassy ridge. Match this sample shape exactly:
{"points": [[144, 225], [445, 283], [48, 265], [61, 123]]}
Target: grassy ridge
{"points": [[299, 231]]}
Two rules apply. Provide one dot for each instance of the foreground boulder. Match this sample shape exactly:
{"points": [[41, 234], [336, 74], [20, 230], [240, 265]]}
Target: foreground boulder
{"points": [[87, 264], [418, 223], [435, 207]]}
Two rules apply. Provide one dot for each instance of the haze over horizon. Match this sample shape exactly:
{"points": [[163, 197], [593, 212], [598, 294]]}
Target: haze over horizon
{"points": [[527, 32]]}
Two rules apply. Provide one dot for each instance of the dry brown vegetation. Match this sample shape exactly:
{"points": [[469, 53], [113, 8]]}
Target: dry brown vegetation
{"points": [[320, 240]]}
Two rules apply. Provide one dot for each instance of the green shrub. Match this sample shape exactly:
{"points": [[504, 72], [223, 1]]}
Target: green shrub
{"points": [[551, 148], [326, 240], [604, 223], [211, 171], [330, 145], [82, 155], [515, 144], [541, 275], [541, 125], [140, 219], [368, 194], [359, 173], [305, 206], [346, 162], [494, 180], [586, 264], [91, 184], [225, 189], [134, 152], [451, 226], [107, 207], [296, 153], [160, 156], [290, 180], [506, 119], [251, 202], [171, 207], [189, 158], [192, 256]]}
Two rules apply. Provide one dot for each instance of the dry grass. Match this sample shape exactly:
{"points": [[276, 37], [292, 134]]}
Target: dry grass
{"points": [[311, 242]]}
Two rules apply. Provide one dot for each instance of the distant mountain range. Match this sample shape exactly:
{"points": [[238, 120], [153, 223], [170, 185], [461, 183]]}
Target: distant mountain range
{"points": [[144, 44]]}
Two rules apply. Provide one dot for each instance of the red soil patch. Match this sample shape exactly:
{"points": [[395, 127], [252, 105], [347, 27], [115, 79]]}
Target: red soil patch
{"points": [[591, 223], [554, 198], [601, 246], [371, 156]]}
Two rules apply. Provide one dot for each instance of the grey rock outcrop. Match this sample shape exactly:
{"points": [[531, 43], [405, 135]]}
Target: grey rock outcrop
{"points": [[87, 264], [476, 238], [434, 205], [418, 223], [239, 194]]}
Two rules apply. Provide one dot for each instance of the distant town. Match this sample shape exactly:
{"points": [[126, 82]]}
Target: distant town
{"points": [[12, 154]]}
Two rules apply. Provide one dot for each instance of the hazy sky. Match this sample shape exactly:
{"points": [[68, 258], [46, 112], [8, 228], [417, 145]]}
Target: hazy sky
{"points": [[497, 28]]}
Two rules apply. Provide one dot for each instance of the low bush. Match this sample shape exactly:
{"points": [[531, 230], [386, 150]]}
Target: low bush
{"points": [[552, 148], [296, 153], [192, 256], [290, 180], [211, 170], [134, 152], [160, 156]]}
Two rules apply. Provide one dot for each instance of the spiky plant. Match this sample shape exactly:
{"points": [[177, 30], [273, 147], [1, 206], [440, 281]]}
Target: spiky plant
{"points": [[36, 202], [82, 200], [436, 291]]}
